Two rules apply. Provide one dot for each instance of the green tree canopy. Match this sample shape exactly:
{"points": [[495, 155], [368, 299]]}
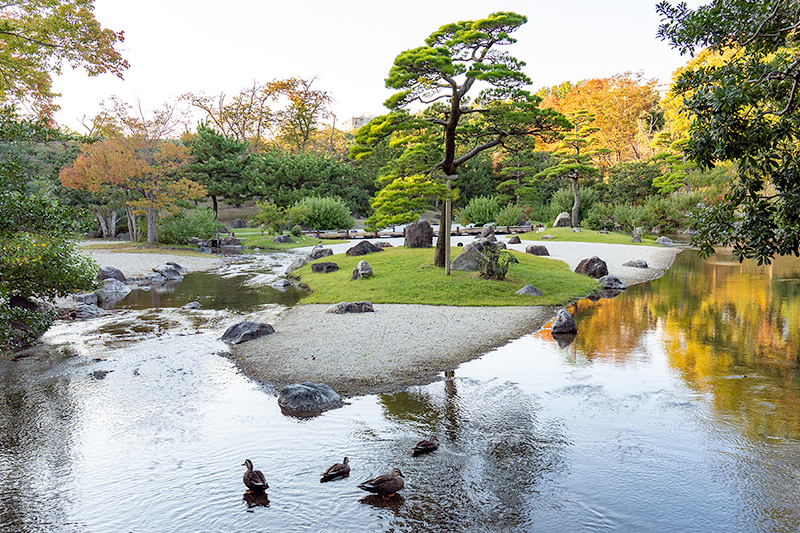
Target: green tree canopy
{"points": [[456, 60], [745, 111], [218, 163], [37, 259]]}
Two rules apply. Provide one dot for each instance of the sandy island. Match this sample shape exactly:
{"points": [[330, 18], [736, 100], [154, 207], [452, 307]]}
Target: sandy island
{"points": [[398, 345]]}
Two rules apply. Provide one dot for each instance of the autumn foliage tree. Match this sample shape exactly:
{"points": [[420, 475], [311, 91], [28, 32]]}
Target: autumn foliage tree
{"points": [[38, 36], [625, 113]]}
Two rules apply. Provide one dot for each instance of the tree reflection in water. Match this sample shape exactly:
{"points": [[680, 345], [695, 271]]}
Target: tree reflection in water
{"points": [[494, 457]]}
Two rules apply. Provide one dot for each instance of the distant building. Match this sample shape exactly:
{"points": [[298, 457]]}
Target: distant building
{"points": [[356, 122]]}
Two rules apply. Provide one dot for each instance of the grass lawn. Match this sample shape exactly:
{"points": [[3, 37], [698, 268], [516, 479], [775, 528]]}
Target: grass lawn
{"points": [[407, 276], [252, 238], [585, 235]]}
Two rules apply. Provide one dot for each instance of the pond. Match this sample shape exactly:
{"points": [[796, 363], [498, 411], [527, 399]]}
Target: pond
{"points": [[676, 408]]}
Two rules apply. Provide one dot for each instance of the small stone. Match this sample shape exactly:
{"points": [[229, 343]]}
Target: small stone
{"points": [[192, 305], [317, 252], [514, 240], [529, 290], [362, 270], [636, 263], [547, 236], [350, 307]]}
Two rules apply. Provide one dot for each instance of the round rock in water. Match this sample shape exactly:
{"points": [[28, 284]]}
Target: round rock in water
{"points": [[563, 323], [308, 399], [246, 331]]}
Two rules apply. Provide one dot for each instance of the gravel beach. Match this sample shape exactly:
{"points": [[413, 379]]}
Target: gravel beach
{"points": [[135, 264], [402, 345]]}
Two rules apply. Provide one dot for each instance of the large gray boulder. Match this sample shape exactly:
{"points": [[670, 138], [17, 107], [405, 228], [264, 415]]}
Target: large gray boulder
{"points": [[246, 331], [593, 267], [112, 291], [238, 223], [109, 272], [85, 311], [350, 307], [563, 323], [563, 220], [363, 270], [363, 248], [487, 232], [468, 260], [664, 241], [481, 243], [169, 272], [176, 266], [324, 268], [418, 235], [514, 239], [308, 399], [537, 249]]}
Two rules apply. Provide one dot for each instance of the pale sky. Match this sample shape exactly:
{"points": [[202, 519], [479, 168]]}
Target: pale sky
{"points": [[213, 46]]}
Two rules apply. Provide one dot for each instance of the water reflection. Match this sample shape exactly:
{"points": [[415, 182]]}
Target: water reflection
{"points": [[664, 413]]}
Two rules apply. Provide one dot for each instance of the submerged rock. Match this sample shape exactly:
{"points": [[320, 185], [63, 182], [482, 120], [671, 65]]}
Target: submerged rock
{"points": [[246, 331], [308, 399]]}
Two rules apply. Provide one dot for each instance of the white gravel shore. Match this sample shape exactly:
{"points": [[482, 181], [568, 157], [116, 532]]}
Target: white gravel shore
{"points": [[136, 264], [402, 345]]}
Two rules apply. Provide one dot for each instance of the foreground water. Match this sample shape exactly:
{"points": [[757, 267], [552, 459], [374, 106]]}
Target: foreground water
{"points": [[674, 409]]}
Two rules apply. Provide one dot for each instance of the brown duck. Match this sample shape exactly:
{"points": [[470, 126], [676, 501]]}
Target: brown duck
{"points": [[386, 485], [254, 479], [336, 471], [426, 446]]}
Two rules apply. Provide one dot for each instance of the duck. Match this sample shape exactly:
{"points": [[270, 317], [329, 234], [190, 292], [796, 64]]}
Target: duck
{"points": [[426, 446], [386, 485], [254, 480], [336, 471]]}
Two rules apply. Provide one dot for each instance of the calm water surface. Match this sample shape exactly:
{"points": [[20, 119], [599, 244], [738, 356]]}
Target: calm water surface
{"points": [[676, 408]]}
